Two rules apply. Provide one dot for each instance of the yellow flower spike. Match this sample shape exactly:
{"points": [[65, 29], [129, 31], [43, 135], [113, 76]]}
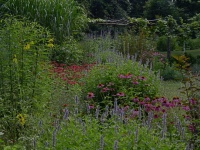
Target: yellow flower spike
{"points": [[15, 59], [27, 46]]}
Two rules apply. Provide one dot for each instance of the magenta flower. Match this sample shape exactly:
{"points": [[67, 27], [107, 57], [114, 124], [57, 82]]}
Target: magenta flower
{"points": [[90, 95], [135, 99], [120, 94]]}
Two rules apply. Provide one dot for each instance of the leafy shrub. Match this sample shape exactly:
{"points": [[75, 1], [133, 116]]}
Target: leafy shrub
{"points": [[193, 43], [24, 77], [123, 81], [162, 44], [170, 73], [63, 18], [68, 52]]}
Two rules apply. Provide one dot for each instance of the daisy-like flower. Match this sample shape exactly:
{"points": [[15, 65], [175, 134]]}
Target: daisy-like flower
{"points": [[100, 85], [120, 94], [90, 95]]}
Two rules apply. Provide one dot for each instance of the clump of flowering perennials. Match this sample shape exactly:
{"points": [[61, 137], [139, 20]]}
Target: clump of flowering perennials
{"points": [[126, 86]]}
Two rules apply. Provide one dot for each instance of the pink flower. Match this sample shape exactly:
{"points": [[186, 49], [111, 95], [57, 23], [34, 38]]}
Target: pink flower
{"points": [[186, 108], [126, 76], [135, 82], [135, 99], [104, 90], [90, 95], [142, 78], [100, 85], [146, 99], [134, 113], [91, 106], [192, 101], [120, 94]]}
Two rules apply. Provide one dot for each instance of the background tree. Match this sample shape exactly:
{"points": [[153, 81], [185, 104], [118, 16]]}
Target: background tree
{"points": [[160, 8]]}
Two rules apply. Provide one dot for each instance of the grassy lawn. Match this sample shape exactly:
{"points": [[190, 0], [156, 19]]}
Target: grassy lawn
{"points": [[170, 89]]}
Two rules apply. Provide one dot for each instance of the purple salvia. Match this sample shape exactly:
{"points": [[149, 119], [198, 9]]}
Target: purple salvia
{"points": [[46, 144], [115, 105], [164, 125], [34, 143], [115, 147], [149, 120], [97, 112], [54, 138], [136, 136], [76, 100], [66, 114], [116, 129], [106, 110], [40, 123], [140, 113], [183, 133], [76, 111], [101, 142]]}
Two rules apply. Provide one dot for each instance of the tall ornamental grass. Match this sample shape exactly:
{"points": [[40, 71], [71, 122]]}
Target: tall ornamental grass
{"points": [[62, 17]]}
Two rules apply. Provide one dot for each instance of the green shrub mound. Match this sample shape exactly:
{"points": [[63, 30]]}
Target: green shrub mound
{"points": [[124, 81]]}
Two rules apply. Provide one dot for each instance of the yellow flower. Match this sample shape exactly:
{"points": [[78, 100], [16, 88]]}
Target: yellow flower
{"points": [[21, 119], [50, 45], [27, 46]]}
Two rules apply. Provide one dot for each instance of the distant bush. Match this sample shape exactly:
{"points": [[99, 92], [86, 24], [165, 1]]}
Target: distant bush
{"points": [[193, 43], [162, 44]]}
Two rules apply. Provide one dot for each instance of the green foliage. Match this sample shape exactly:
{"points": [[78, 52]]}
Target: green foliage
{"points": [[63, 18], [193, 43], [24, 77], [88, 133], [69, 52], [131, 43], [123, 81], [162, 44], [160, 8]]}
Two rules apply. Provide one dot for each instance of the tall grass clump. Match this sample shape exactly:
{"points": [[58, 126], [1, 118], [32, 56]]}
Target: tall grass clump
{"points": [[63, 18], [24, 89]]}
